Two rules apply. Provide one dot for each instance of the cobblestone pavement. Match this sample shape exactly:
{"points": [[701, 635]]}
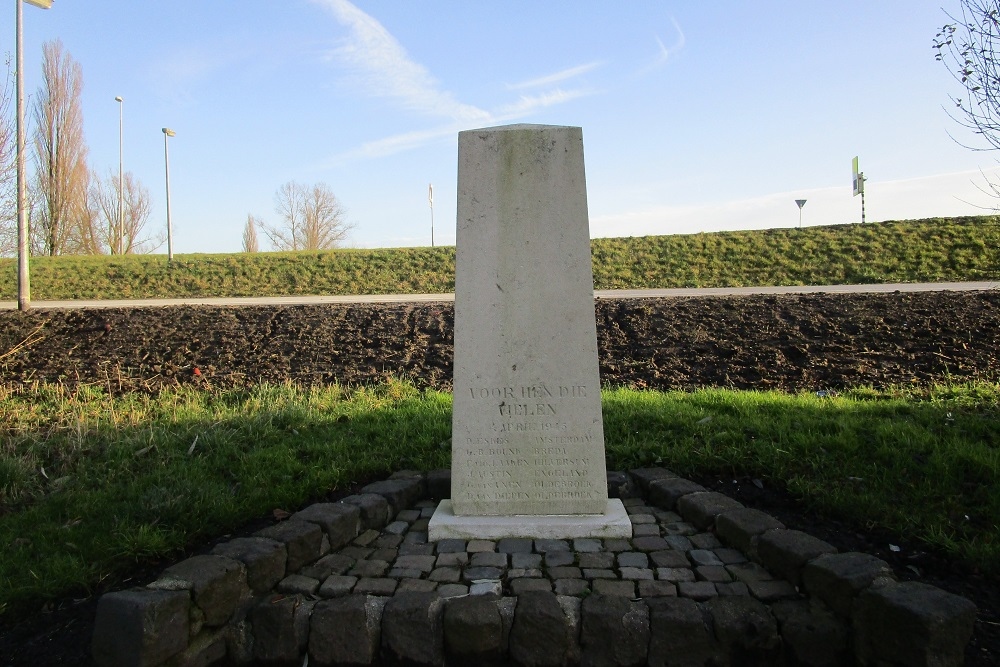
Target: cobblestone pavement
{"points": [[358, 581], [665, 557]]}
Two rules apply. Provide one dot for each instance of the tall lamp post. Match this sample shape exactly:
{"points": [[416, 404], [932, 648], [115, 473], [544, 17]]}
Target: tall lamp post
{"points": [[120, 241], [167, 132], [23, 286]]}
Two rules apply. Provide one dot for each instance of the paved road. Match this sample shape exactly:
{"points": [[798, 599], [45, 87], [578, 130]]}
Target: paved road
{"points": [[600, 294]]}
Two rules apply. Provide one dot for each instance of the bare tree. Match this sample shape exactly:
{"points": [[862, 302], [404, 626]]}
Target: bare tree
{"points": [[62, 176], [8, 166], [250, 234], [968, 48], [311, 218], [136, 209]]}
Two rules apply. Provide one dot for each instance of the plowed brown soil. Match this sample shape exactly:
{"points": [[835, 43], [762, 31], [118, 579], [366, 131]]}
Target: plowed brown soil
{"points": [[789, 342], [792, 343]]}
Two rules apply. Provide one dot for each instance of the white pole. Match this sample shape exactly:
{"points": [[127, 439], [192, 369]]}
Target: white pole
{"points": [[167, 132], [121, 183], [430, 200], [23, 282], [23, 287]]}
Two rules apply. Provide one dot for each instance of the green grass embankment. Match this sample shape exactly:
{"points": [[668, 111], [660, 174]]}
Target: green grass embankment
{"points": [[930, 250]]}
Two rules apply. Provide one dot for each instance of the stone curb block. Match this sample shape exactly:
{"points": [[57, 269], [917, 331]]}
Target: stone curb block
{"points": [[412, 630], [400, 493], [340, 522], [739, 528], [680, 634], [540, 635], [473, 631], [280, 628], [265, 560], [615, 631], [664, 493], [218, 586], [812, 635], [837, 579], [645, 476], [745, 630], [303, 541], [373, 507], [785, 552], [140, 627], [346, 631], [912, 624], [700, 509]]}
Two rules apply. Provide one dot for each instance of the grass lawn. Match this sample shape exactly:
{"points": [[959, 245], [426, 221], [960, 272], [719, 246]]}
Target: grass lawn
{"points": [[93, 484]]}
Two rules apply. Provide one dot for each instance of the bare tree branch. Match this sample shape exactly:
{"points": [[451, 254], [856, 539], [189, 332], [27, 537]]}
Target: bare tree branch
{"points": [[136, 209], [311, 218], [968, 48], [250, 234], [62, 176], [8, 166]]}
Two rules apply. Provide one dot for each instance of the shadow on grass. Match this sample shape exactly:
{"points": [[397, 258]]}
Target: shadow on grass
{"points": [[116, 495]]}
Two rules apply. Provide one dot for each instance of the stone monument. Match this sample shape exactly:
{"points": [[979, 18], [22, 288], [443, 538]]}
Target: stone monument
{"points": [[527, 429]]}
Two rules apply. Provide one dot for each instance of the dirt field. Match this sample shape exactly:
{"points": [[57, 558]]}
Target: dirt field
{"points": [[808, 342], [789, 342]]}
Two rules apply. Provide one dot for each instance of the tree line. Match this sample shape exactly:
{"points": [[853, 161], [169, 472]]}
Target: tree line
{"points": [[310, 218], [73, 210]]}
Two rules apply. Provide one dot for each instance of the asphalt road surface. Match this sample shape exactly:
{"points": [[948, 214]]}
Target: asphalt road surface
{"points": [[599, 294]]}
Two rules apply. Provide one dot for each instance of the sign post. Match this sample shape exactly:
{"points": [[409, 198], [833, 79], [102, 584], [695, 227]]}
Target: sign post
{"points": [[801, 203]]}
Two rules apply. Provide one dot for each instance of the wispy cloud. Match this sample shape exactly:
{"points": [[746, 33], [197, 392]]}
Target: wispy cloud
{"points": [[394, 144], [556, 77], [528, 104], [380, 66], [383, 67], [177, 76], [665, 53]]}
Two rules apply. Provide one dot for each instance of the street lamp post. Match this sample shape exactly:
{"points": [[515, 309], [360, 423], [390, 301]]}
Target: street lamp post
{"points": [[121, 183], [23, 285], [167, 132]]}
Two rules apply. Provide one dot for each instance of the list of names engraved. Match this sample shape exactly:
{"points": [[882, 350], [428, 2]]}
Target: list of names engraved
{"points": [[529, 446]]}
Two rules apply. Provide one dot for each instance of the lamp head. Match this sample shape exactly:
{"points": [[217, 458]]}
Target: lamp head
{"points": [[170, 133], [119, 99]]}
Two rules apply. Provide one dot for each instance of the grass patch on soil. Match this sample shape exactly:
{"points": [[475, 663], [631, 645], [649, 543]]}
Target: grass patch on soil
{"points": [[92, 485], [929, 250]]}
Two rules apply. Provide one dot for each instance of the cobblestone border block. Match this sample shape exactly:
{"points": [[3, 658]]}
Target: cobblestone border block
{"points": [[717, 583]]}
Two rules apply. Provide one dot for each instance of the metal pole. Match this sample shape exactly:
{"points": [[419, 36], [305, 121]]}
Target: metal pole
{"points": [[862, 178], [430, 200], [121, 182], [167, 132], [23, 285]]}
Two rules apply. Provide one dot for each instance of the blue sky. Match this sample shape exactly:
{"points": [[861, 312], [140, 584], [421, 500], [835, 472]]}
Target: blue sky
{"points": [[696, 116]]}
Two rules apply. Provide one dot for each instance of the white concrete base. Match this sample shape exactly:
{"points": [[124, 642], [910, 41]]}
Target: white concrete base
{"points": [[613, 523]]}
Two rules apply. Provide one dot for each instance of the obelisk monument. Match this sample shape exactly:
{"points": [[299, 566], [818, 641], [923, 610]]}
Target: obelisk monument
{"points": [[527, 429]]}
